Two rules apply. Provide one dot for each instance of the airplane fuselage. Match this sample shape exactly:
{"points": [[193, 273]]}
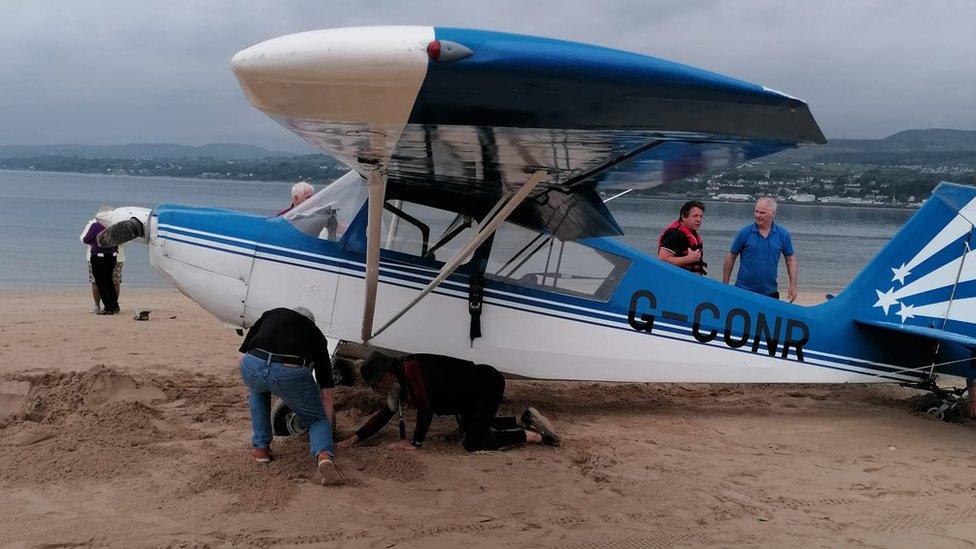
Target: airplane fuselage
{"points": [[647, 321]]}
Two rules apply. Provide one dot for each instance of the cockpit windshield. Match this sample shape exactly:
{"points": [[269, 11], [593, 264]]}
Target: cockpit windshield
{"points": [[329, 212]]}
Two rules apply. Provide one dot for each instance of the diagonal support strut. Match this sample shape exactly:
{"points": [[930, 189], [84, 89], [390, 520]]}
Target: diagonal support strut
{"points": [[499, 213]]}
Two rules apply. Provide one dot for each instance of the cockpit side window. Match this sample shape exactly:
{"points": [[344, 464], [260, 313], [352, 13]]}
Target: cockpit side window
{"points": [[329, 212], [423, 231], [535, 260]]}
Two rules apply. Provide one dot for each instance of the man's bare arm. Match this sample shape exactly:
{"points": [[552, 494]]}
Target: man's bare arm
{"points": [[668, 256], [791, 271], [727, 266]]}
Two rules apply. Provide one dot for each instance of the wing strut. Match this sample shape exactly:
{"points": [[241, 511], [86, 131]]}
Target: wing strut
{"points": [[498, 214], [376, 180]]}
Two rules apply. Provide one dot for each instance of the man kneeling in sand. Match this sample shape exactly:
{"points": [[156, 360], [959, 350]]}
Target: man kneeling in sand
{"points": [[441, 385], [281, 351]]}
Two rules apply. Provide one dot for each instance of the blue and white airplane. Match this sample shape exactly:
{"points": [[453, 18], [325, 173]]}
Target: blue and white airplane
{"points": [[471, 224]]}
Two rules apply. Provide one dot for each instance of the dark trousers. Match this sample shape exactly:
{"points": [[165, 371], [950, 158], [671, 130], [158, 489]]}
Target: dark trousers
{"points": [[102, 267], [482, 430]]}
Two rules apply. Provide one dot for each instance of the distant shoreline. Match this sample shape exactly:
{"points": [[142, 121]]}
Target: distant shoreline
{"points": [[629, 197], [828, 204], [89, 174], [778, 202]]}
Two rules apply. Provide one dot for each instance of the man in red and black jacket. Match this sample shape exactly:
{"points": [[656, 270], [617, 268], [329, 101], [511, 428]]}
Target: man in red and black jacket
{"points": [[680, 244], [441, 385]]}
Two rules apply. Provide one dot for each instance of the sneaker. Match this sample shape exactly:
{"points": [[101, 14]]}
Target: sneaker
{"points": [[107, 312], [96, 308], [327, 468], [534, 421], [262, 455]]}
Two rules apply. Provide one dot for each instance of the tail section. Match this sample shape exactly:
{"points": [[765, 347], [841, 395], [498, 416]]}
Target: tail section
{"points": [[924, 280]]}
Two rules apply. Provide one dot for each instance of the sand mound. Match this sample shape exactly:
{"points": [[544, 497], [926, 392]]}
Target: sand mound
{"points": [[13, 395], [83, 425], [206, 398], [115, 425], [108, 441], [52, 396]]}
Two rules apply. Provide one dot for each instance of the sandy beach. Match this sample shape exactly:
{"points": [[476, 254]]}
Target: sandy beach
{"points": [[122, 433]]}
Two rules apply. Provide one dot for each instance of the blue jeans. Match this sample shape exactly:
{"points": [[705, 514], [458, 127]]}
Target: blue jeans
{"points": [[293, 385]]}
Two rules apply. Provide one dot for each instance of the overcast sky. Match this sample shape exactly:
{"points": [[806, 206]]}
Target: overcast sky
{"points": [[111, 72]]}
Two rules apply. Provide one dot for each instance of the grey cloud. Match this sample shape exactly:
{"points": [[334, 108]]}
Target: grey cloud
{"points": [[112, 71]]}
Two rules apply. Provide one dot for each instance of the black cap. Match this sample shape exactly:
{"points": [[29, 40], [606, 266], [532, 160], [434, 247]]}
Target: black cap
{"points": [[375, 367]]}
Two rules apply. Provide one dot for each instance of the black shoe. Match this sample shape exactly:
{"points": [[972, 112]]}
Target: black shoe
{"points": [[534, 421], [107, 312]]}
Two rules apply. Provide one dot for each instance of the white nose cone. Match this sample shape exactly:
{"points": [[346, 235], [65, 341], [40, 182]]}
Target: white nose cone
{"points": [[321, 82]]}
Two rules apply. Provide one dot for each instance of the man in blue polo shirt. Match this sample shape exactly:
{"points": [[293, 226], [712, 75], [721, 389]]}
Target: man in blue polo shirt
{"points": [[760, 246]]}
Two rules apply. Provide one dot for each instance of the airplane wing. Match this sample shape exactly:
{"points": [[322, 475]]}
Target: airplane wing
{"points": [[462, 117]]}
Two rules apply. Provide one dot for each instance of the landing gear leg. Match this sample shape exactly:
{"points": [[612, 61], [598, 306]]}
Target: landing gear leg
{"points": [[971, 390]]}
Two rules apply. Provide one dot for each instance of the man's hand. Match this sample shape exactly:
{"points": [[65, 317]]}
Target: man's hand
{"points": [[695, 255], [346, 443], [791, 293], [401, 444]]}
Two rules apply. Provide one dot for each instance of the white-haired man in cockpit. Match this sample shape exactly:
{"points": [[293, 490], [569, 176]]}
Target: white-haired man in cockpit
{"points": [[300, 192]]}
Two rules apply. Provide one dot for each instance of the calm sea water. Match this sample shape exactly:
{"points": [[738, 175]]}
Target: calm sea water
{"points": [[41, 215]]}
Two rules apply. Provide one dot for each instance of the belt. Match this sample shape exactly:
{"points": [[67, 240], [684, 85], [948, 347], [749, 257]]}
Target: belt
{"points": [[113, 254], [283, 359]]}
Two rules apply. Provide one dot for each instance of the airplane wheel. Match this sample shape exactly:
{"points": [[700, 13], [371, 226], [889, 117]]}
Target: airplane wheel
{"points": [[284, 422], [344, 372]]}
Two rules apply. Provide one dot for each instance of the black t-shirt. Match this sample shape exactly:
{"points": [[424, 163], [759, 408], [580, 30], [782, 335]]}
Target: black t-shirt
{"points": [[676, 241], [286, 332]]}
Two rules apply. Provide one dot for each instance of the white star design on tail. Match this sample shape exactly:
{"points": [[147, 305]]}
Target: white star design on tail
{"points": [[885, 300], [900, 273], [906, 312]]}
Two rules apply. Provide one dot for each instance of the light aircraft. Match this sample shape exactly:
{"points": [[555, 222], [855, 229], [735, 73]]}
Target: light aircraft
{"points": [[471, 224]]}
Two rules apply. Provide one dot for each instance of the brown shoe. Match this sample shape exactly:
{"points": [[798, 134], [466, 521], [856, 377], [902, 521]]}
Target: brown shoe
{"points": [[327, 468], [534, 421], [262, 455]]}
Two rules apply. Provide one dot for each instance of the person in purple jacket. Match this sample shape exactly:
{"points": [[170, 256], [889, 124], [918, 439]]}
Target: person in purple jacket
{"points": [[103, 261]]}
